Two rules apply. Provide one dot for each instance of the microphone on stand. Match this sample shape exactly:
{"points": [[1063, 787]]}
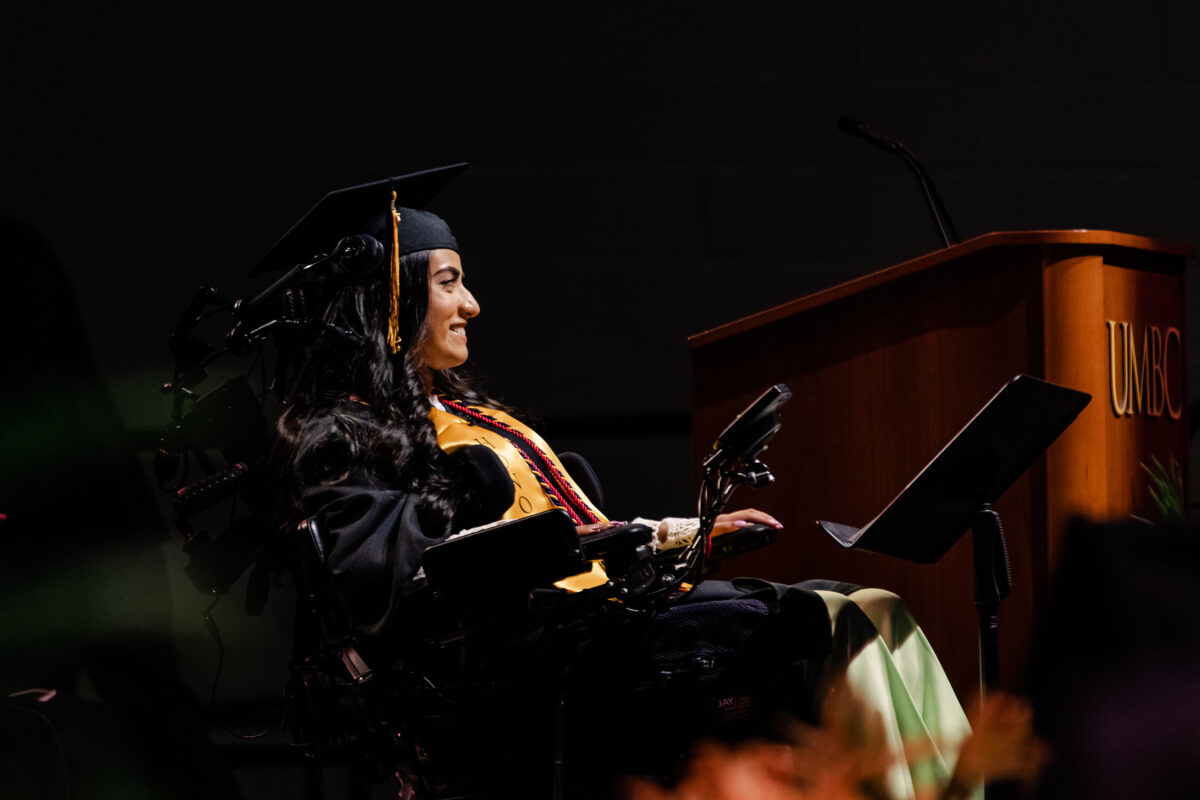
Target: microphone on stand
{"points": [[856, 127]]}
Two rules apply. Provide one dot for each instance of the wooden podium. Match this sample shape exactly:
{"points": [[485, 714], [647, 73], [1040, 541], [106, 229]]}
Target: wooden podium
{"points": [[885, 369]]}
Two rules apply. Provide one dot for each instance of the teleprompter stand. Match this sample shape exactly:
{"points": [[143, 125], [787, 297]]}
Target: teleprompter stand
{"points": [[956, 490]]}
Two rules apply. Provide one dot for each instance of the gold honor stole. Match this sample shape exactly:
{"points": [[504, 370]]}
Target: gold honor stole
{"points": [[540, 483]]}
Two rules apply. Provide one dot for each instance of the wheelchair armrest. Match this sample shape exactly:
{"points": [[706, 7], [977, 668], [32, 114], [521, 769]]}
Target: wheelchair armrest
{"points": [[616, 546], [742, 540], [505, 560]]}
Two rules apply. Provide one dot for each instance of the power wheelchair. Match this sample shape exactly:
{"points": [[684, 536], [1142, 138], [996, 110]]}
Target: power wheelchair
{"points": [[495, 686]]}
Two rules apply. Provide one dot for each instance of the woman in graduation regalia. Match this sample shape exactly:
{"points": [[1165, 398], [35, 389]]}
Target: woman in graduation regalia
{"points": [[371, 445]]}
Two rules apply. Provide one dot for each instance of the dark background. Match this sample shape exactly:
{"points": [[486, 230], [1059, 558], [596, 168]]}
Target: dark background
{"points": [[640, 173]]}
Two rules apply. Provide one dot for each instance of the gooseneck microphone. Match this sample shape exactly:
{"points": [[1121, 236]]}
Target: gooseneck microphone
{"points": [[856, 127]]}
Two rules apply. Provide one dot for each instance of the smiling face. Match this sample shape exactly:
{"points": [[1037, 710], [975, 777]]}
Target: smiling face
{"points": [[443, 342]]}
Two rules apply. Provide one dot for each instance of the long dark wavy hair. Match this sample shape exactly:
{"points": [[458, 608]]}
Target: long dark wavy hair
{"points": [[353, 404]]}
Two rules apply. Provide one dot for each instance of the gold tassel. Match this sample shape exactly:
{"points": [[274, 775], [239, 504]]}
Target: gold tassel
{"points": [[394, 339]]}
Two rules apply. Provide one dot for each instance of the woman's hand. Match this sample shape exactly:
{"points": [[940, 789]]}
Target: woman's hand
{"points": [[584, 530], [727, 523]]}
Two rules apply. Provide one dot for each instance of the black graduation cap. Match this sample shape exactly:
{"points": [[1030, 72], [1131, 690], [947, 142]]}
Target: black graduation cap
{"points": [[358, 209]]}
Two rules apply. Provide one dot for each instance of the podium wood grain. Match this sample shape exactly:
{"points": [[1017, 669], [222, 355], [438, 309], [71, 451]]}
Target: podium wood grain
{"points": [[885, 369]]}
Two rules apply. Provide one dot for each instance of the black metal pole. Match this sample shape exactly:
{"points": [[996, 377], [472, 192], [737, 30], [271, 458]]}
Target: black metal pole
{"points": [[993, 582]]}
